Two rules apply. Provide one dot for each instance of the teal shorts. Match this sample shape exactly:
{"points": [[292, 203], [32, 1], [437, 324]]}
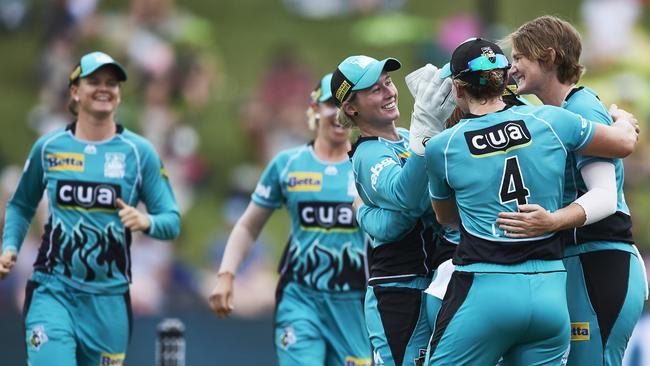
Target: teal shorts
{"points": [[397, 321], [320, 328], [606, 290], [73, 327], [521, 317]]}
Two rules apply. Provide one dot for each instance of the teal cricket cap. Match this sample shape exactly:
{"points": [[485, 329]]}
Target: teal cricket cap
{"points": [[91, 62], [357, 73], [323, 92]]}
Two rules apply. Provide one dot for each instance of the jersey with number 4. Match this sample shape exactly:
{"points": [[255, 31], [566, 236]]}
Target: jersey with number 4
{"points": [[494, 162], [326, 250], [85, 244]]}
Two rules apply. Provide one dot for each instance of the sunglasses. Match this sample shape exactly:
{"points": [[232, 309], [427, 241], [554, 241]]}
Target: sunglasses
{"points": [[483, 63]]}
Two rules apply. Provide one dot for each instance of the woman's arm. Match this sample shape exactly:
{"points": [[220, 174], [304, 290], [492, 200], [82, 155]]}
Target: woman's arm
{"points": [[596, 204], [240, 241]]}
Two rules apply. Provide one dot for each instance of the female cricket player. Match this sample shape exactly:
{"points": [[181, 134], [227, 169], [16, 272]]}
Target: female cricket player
{"points": [[94, 171], [319, 311]]}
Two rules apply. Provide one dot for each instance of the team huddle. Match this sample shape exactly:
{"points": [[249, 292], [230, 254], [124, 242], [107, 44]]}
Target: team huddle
{"points": [[491, 232]]}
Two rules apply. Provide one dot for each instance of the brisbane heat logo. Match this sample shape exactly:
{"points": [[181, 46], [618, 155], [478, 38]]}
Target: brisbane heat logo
{"points": [[498, 139], [86, 195]]}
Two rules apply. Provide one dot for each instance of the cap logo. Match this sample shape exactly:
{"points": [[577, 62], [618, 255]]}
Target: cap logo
{"points": [[489, 53], [342, 90], [362, 61], [75, 73], [103, 58]]}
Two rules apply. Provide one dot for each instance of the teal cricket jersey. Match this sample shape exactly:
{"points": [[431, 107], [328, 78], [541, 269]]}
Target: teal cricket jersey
{"points": [[618, 226], [85, 244], [389, 177], [326, 250], [496, 161]]}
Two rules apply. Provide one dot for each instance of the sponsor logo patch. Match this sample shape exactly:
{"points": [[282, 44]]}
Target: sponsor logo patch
{"points": [[356, 361], [498, 139], [422, 355], [73, 162], [375, 170], [288, 337], [263, 191], [305, 182], [111, 359], [87, 195], [580, 331], [342, 90], [38, 337], [376, 357], [326, 215], [114, 164]]}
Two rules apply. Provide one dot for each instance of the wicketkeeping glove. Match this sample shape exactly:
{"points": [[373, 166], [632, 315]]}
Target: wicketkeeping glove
{"points": [[434, 103]]}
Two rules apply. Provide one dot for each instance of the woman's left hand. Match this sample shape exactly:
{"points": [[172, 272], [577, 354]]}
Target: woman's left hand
{"points": [[531, 220], [132, 219]]}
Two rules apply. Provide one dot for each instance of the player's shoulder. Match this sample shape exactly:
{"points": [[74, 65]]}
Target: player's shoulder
{"points": [[296, 153], [134, 138], [585, 102], [60, 132]]}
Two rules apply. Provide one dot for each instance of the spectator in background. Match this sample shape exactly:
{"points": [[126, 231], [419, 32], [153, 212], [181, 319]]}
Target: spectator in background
{"points": [[274, 118]]}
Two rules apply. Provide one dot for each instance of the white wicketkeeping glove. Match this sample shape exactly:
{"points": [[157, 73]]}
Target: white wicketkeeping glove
{"points": [[417, 80], [434, 103]]}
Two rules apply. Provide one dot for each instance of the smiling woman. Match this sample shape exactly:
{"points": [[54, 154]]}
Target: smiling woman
{"points": [[77, 303]]}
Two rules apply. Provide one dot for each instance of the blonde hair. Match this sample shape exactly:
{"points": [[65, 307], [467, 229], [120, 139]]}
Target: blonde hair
{"points": [[343, 118], [534, 38]]}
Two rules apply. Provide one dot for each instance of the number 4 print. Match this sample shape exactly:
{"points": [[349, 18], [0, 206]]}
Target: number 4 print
{"points": [[512, 183]]}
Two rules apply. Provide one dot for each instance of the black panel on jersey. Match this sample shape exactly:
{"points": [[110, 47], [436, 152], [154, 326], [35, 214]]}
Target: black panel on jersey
{"points": [[326, 215], [457, 291], [410, 255], [473, 249], [359, 141], [616, 227], [73, 127], [444, 251], [606, 276], [399, 309]]}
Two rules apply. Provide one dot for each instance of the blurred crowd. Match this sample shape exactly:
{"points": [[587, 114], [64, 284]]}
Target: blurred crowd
{"points": [[176, 73]]}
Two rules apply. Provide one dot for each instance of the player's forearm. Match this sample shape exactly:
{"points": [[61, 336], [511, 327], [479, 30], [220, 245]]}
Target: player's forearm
{"points": [[237, 248], [164, 226], [17, 220], [568, 217], [409, 187]]}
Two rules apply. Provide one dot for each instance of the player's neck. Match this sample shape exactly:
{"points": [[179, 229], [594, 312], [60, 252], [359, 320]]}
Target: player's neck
{"points": [[554, 92], [492, 105], [331, 152], [92, 129], [385, 131]]}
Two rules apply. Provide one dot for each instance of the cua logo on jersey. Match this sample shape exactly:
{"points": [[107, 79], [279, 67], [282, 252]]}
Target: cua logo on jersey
{"points": [[326, 215], [86, 195], [580, 331], [498, 139], [357, 361], [111, 359], [305, 182], [73, 162]]}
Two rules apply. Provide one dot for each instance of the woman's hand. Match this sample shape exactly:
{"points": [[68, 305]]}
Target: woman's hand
{"points": [[531, 220], [221, 298], [132, 219], [7, 262]]}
